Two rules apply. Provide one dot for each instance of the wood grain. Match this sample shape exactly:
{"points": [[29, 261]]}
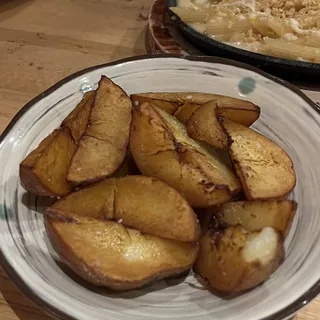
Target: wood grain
{"points": [[41, 42]]}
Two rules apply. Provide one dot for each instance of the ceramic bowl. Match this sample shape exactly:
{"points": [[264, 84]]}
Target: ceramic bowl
{"points": [[288, 117]]}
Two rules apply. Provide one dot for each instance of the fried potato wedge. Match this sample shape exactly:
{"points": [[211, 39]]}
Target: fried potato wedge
{"points": [[43, 172], [255, 215], [77, 120], [143, 203], [184, 104], [234, 260], [204, 126], [103, 146], [106, 253], [184, 112], [167, 106], [265, 170], [245, 115], [161, 148]]}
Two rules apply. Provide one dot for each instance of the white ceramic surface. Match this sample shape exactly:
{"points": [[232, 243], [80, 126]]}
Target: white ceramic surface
{"points": [[288, 117]]}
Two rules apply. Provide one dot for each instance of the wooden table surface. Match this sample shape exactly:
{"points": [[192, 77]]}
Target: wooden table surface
{"points": [[42, 41]]}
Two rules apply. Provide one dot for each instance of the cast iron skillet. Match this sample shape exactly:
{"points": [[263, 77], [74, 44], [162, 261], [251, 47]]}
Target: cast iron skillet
{"points": [[289, 69]]}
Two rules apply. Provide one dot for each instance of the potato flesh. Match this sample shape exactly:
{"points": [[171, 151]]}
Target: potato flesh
{"points": [[77, 120], [184, 112], [261, 247], [137, 202], [256, 215], [169, 107], [196, 98], [246, 117], [264, 169], [155, 215], [106, 253], [223, 253], [184, 104], [204, 126], [103, 146], [223, 174], [161, 148], [44, 170]]}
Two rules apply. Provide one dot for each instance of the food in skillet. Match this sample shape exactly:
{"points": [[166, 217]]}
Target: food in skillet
{"points": [[284, 29]]}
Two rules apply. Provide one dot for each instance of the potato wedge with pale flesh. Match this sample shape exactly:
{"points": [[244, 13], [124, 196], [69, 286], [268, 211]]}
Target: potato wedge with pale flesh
{"points": [[255, 215], [161, 148], [204, 126], [234, 259], [43, 172], [103, 146], [184, 112], [106, 253], [167, 106], [243, 115], [265, 170], [184, 104], [77, 120], [143, 203]]}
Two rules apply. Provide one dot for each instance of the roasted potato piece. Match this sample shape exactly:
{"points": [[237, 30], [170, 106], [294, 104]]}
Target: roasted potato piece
{"points": [[184, 112], [43, 172], [105, 253], [167, 106], [136, 201], [245, 115], [161, 148], [204, 126], [256, 215], [265, 170], [93, 201], [103, 146], [77, 120], [233, 260], [184, 104]]}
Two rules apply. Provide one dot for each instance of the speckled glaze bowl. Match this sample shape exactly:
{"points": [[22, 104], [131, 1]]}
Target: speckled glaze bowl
{"points": [[288, 117]]}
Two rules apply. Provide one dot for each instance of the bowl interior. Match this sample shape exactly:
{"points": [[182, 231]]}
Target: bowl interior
{"points": [[286, 117]]}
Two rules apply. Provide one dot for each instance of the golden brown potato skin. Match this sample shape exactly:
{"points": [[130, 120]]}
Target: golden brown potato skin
{"points": [[168, 106], [105, 253], [220, 261], [103, 146], [204, 126], [170, 155], [265, 170], [183, 104], [44, 170], [143, 203], [77, 120], [184, 112], [254, 215], [192, 97]]}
